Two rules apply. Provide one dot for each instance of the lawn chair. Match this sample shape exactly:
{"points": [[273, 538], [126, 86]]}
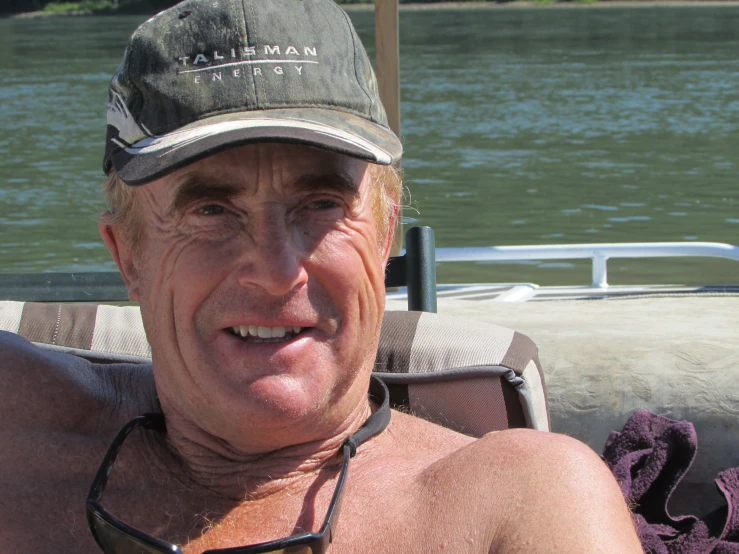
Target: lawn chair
{"points": [[469, 376]]}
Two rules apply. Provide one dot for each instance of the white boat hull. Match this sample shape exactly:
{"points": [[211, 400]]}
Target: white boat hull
{"points": [[677, 357]]}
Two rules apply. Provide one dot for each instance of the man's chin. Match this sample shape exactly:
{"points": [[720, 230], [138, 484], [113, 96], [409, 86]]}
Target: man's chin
{"points": [[285, 395], [269, 412]]}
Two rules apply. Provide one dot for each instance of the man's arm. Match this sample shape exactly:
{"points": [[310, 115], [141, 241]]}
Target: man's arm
{"points": [[567, 499], [41, 388]]}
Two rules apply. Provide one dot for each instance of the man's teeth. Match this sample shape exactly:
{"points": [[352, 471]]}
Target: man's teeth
{"points": [[264, 332]]}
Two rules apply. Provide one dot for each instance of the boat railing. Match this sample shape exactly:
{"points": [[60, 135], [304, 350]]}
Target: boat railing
{"points": [[109, 286], [598, 253]]}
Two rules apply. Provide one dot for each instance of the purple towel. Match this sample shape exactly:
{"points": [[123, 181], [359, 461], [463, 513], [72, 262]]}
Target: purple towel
{"points": [[649, 458]]}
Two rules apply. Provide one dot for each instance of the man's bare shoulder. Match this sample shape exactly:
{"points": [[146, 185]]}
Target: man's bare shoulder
{"points": [[496, 455], [498, 450], [66, 392], [522, 490]]}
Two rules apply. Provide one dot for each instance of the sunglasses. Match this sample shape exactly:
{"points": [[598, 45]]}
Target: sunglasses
{"points": [[115, 537]]}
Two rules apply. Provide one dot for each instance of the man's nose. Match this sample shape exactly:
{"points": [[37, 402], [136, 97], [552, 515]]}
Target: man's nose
{"points": [[274, 261]]}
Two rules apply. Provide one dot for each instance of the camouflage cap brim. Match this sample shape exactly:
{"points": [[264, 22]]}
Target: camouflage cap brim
{"points": [[345, 133]]}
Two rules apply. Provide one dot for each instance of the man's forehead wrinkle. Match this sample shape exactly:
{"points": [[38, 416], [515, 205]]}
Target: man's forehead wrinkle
{"points": [[338, 181]]}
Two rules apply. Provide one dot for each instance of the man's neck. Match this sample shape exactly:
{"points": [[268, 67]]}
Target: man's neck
{"points": [[219, 468]]}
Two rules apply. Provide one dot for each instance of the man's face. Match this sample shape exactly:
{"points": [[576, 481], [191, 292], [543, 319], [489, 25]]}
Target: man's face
{"points": [[273, 240]]}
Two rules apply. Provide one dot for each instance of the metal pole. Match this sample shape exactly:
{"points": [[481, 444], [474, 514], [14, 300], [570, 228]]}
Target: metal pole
{"points": [[600, 271], [420, 268]]}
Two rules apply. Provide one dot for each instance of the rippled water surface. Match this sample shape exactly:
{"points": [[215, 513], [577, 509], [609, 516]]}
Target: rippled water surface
{"points": [[521, 126]]}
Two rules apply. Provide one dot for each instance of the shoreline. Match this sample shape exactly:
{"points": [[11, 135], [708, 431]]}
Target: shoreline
{"points": [[515, 4], [528, 4]]}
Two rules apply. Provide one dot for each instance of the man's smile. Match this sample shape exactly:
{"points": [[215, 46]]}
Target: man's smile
{"points": [[294, 341], [258, 333]]}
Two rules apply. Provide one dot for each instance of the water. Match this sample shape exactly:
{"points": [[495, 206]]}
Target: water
{"points": [[521, 126]]}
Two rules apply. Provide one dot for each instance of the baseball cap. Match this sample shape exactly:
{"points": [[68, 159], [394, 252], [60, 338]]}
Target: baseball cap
{"points": [[206, 75]]}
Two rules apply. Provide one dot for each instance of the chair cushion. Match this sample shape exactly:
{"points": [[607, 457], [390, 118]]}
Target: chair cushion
{"points": [[466, 375], [469, 376], [96, 332]]}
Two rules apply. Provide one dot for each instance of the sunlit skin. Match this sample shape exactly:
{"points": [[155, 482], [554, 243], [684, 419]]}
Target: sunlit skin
{"points": [[269, 235], [274, 236]]}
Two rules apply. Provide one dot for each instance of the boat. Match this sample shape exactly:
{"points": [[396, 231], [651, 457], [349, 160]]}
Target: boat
{"points": [[606, 350]]}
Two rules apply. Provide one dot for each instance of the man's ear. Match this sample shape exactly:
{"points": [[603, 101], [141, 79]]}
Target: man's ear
{"points": [[122, 253]]}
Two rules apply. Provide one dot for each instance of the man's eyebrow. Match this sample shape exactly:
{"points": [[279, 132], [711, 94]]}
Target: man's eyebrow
{"points": [[338, 182], [194, 188]]}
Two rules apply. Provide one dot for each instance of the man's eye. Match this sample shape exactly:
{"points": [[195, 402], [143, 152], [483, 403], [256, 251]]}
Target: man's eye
{"points": [[324, 204], [211, 209]]}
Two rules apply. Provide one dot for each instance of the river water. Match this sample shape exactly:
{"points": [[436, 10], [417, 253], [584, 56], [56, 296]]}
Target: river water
{"points": [[521, 126]]}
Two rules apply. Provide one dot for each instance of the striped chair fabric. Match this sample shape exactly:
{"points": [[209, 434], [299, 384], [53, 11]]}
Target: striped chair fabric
{"points": [[469, 376]]}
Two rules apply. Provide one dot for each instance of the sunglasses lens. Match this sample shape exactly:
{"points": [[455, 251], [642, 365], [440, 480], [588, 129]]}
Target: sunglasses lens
{"points": [[114, 541]]}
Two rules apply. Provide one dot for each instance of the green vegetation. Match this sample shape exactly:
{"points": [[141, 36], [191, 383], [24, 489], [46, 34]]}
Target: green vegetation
{"points": [[86, 6], [119, 6], [63, 7], [74, 7]]}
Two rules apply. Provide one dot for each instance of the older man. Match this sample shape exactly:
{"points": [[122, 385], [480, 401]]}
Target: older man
{"points": [[252, 202]]}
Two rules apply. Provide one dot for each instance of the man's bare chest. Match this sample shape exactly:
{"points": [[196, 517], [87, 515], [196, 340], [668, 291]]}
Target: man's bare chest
{"points": [[49, 478], [391, 527]]}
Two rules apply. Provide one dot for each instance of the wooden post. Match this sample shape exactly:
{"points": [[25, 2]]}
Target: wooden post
{"points": [[387, 61]]}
